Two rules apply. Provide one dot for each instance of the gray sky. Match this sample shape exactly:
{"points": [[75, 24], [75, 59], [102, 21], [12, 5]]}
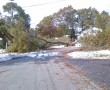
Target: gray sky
{"points": [[38, 12]]}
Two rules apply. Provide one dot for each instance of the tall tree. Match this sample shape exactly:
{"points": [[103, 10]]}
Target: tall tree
{"points": [[86, 17], [102, 20], [17, 14], [67, 16]]}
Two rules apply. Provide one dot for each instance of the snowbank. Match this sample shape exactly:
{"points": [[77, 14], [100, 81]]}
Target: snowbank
{"points": [[41, 54], [102, 54], [9, 56], [5, 57]]}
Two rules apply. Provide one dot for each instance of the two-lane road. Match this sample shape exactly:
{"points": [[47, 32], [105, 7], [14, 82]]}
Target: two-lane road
{"points": [[49, 73]]}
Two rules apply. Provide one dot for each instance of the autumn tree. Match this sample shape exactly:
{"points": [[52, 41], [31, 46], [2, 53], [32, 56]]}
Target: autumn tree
{"points": [[62, 30], [46, 27]]}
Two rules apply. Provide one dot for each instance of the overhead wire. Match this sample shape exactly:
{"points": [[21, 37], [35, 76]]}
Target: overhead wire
{"points": [[44, 3], [40, 5]]}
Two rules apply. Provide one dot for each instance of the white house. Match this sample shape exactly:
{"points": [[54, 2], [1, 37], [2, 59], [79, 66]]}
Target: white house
{"points": [[91, 31]]}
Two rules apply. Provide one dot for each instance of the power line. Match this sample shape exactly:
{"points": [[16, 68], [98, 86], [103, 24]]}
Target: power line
{"points": [[43, 4]]}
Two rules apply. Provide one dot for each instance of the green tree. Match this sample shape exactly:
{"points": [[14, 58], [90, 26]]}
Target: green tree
{"points": [[17, 14], [23, 40], [68, 17], [102, 20], [20, 39], [4, 33], [87, 17]]}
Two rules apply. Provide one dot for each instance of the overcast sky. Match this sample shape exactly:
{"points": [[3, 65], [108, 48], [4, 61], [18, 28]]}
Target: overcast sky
{"points": [[38, 12]]}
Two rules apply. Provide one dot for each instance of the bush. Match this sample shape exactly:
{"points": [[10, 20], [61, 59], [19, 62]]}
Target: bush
{"points": [[100, 41]]}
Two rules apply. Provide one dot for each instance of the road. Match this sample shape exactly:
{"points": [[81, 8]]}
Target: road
{"points": [[97, 70], [49, 73]]}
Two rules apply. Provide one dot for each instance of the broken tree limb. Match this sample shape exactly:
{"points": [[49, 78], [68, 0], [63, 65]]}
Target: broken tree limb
{"points": [[48, 42]]}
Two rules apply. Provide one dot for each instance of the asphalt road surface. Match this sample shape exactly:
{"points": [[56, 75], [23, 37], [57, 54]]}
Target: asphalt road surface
{"points": [[49, 73], [97, 70]]}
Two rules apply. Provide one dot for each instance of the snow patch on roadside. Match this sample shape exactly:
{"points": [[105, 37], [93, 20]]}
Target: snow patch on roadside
{"points": [[41, 54], [102, 54], [5, 57], [9, 56]]}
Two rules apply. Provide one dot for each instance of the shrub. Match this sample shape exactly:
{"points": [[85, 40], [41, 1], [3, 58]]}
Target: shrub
{"points": [[100, 41]]}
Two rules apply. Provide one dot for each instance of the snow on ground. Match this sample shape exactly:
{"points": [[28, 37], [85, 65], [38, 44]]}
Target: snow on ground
{"points": [[77, 44], [60, 46], [101, 54], [9, 56], [2, 50], [41, 54], [5, 57]]}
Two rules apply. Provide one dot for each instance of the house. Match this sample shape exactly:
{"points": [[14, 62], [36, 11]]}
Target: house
{"points": [[91, 31]]}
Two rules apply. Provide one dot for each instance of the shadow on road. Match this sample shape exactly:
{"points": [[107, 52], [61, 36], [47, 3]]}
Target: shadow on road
{"points": [[28, 59]]}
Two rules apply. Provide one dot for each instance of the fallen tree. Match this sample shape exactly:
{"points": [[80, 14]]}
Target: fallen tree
{"points": [[59, 43]]}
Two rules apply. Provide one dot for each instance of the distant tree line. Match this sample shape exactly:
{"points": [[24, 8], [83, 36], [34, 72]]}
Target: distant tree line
{"points": [[67, 20], [15, 28]]}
